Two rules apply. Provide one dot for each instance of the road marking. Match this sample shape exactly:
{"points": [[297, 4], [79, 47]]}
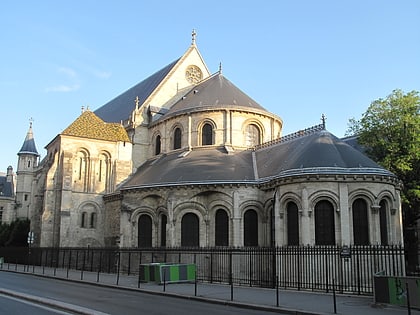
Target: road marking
{"points": [[49, 303]]}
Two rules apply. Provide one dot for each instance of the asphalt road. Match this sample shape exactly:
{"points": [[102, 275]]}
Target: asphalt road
{"points": [[105, 300], [11, 305]]}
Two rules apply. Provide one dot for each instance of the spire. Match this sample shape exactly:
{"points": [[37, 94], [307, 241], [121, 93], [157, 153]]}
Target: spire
{"points": [[28, 146], [220, 68], [193, 35]]}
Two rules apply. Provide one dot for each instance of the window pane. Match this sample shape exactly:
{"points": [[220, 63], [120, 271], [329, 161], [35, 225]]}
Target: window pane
{"points": [[157, 145], [145, 231], [292, 224], [177, 138], [383, 222], [251, 228], [360, 222], [207, 135], [324, 223], [190, 230], [163, 230], [222, 228]]}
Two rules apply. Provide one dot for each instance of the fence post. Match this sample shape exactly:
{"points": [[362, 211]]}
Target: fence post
{"points": [[118, 267], [100, 265], [408, 299]]}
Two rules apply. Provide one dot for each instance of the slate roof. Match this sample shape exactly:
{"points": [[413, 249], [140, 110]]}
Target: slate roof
{"points": [[121, 107], [216, 92], [88, 125], [5, 188], [314, 152], [199, 165], [29, 146]]}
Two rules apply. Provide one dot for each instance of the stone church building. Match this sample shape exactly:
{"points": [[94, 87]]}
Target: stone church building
{"points": [[185, 158]]}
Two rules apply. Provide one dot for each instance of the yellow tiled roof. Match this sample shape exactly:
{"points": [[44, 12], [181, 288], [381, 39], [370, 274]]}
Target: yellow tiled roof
{"points": [[88, 125]]}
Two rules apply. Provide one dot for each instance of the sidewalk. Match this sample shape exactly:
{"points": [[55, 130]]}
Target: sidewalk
{"points": [[281, 301]]}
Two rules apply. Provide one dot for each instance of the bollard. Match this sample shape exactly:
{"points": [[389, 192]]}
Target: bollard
{"points": [[334, 297], [164, 279], [277, 291], [408, 299], [195, 285]]}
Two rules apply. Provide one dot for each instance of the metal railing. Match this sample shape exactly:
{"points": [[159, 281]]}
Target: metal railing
{"points": [[317, 268]]}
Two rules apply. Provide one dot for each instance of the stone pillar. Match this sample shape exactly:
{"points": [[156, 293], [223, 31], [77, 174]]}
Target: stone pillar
{"points": [[306, 219], [278, 220], [236, 222], [344, 214], [170, 235]]}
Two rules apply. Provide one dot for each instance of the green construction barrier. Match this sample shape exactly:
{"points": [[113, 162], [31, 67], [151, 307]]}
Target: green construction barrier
{"points": [[167, 272], [393, 290], [174, 273], [149, 272]]}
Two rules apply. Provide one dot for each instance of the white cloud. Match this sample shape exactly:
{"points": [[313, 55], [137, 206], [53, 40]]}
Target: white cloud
{"points": [[63, 88], [68, 71]]}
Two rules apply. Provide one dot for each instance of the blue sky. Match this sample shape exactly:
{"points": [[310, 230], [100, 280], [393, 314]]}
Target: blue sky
{"points": [[298, 59]]}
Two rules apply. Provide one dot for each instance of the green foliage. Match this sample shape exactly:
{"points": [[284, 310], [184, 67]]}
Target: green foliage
{"points": [[14, 234], [390, 132]]}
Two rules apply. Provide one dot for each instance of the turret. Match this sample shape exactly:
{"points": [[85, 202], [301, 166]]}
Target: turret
{"points": [[27, 163]]}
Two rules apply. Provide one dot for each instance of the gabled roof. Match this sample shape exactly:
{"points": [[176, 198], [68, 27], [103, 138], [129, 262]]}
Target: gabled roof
{"points": [[121, 107], [216, 92], [88, 125], [29, 146]]}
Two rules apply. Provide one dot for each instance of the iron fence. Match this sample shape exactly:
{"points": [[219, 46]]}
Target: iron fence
{"points": [[317, 268]]}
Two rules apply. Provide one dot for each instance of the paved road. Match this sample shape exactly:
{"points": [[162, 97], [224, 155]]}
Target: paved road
{"points": [[88, 299], [11, 305]]}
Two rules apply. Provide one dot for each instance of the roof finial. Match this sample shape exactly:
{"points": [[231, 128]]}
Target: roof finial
{"points": [[31, 120], [323, 119], [193, 35], [220, 67], [83, 109], [137, 102]]}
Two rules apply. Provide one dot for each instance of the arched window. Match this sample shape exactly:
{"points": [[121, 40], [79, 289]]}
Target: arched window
{"points": [[163, 222], [177, 138], [252, 135], [190, 230], [292, 224], [92, 223], [83, 222], [145, 231], [207, 134], [250, 228], [324, 223], [360, 222], [221, 228], [103, 172], [383, 222], [157, 145]]}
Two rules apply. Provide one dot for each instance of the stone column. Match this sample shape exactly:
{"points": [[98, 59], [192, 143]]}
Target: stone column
{"points": [[306, 219], [278, 220], [343, 192], [236, 222]]}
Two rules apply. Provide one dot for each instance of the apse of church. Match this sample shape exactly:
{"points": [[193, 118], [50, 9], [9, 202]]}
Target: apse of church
{"points": [[185, 158]]}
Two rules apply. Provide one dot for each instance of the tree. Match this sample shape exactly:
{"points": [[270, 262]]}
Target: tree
{"points": [[14, 234], [390, 132]]}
